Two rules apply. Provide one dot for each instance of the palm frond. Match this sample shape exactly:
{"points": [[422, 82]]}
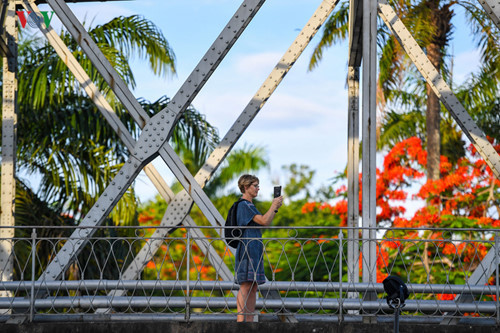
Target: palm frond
{"points": [[335, 30], [243, 160], [136, 35], [397, 127]]}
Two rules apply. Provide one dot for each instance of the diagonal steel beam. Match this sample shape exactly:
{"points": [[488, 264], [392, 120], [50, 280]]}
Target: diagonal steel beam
{"points": [[179, 209], [101, 63], [492, 8], [154, 138], [440, 88], [99, 100]]}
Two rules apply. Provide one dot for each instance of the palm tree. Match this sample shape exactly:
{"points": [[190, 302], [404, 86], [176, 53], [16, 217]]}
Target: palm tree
{"points": [[64, 140], [430, 22]]}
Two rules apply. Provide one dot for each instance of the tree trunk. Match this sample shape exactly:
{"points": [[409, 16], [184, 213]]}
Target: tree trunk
{"points": [[433, 120], [441, 21]]}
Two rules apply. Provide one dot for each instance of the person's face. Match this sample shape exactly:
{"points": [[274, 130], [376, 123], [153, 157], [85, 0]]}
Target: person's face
{"points": [[253, 189]]}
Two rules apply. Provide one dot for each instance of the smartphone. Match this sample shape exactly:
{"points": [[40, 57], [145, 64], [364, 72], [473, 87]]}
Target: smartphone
{"points": [[277, 191]]}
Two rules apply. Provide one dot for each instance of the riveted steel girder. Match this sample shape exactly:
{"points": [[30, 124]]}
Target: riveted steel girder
{"points": [[155, 132], [9, 127], [369, 129], [492, 8], [353, 178], [101, 63]]}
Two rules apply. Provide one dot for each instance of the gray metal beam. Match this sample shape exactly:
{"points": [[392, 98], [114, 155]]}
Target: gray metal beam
{"points": [[369, 127], [492, 8], [317, 286], [440, 88], [355, 33], [9, 127], [95, 95], [295, 303], [353, 178], [154, 135], [101, 63]]}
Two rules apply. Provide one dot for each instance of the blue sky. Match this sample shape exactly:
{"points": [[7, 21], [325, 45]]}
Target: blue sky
{"points": [[304, 122]]}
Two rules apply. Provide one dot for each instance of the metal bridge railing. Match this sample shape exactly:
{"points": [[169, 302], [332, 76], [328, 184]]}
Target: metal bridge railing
{"points": [[309, 276]]}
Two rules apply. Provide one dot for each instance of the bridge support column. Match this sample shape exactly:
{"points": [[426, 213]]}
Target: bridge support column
{"points": [[369, 127], [353, 180], [9, 124]]}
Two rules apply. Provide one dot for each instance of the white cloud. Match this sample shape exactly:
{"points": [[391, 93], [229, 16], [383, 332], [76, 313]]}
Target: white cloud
{"points": [[464, 64], [289, 112], [257, 65]]}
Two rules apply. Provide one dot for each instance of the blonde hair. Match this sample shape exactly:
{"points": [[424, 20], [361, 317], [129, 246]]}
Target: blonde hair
{"points": [[245, 181]]}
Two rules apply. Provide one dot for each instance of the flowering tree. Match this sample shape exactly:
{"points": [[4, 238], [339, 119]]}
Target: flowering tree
{"points": [[171, 259], [466, 196], [442, 242]]}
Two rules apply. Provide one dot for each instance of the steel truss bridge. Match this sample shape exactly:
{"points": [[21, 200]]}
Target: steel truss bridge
{"points": [[48, 295]]}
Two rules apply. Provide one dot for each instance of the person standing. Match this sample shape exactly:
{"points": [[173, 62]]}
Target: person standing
{"points": [[249, 272]]}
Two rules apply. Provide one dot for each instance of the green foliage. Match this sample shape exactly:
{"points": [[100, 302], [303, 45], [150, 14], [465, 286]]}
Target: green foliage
{"points": [[398, 126], [239, 161], [45, 79], [334, 30], [300, 177], [136, 35]]}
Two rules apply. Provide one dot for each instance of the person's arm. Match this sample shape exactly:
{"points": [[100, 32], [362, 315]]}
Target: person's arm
{"points": [[267, 218]]}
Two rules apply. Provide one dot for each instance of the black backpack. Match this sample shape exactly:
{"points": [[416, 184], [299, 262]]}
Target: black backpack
{"points": [[232, 233]]}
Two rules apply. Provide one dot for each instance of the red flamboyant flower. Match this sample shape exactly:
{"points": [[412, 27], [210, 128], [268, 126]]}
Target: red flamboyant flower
{"points": [[465, 196]]}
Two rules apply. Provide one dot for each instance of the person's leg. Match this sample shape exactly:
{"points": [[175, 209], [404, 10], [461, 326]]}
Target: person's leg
{"points": [[241, 300], [251, 300]]}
